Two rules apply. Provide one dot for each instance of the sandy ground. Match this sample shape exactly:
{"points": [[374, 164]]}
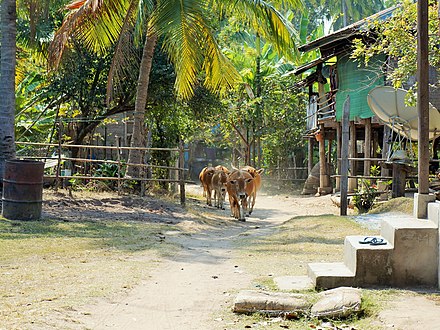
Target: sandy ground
{"points": [[190, 290], [186, 292]]}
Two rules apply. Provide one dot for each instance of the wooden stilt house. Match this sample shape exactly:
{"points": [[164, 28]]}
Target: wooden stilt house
{"points": [[330, 79]]}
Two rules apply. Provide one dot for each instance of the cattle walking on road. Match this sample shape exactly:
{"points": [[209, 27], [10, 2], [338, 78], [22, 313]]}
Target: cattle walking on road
{"points": [[239, 184], [219, 180], [256, 174], [205, 177]]}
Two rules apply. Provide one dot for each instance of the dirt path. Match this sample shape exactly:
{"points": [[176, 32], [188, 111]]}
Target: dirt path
{"points": [[185, 292], [191, 289]]}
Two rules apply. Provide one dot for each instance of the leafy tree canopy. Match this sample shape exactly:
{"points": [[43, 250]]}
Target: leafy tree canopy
{"points": [[397, 38]]}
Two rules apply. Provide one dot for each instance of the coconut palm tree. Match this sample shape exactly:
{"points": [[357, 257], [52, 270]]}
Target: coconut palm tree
{"points": [[7, 82], [186, 34]]}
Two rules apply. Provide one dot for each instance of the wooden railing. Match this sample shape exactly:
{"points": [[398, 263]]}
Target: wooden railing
{"points": [[176, 174]]}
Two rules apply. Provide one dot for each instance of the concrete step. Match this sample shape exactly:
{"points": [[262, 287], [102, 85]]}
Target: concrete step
{"points": [[410, 257], [434, 212], [415, 254], [327, 275], [393, 227], [371, 264]]}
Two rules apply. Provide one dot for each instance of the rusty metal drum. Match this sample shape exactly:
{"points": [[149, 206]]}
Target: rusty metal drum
{"points": [[22, 190]]}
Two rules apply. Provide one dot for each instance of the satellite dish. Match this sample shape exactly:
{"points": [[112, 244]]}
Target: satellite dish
{"points": [[388, 104]]}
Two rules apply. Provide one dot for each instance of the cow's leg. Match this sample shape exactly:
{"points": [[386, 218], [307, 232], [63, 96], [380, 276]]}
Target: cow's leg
{"points": [[215, 197], [222, 200], [243, 208], [209, 196], [231, 205], [218, 197], [252, 198]]}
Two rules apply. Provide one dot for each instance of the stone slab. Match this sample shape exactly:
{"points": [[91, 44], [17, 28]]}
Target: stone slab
{"points": [[288, 283], [272, 303]]}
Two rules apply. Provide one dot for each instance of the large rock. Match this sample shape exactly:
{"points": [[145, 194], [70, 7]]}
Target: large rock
{"points": [[272, 303], [335, 303]]}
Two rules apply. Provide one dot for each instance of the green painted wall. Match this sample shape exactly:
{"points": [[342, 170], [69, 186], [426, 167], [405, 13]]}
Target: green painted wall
{"points": [[357, 82]]}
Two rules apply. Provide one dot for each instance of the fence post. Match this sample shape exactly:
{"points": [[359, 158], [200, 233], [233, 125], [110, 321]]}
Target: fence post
{"points": [[182, 174], [57, 179], [118, 146]]}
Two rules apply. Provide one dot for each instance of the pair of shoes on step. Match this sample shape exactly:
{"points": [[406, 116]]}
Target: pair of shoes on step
{"points": [[373, 241]]}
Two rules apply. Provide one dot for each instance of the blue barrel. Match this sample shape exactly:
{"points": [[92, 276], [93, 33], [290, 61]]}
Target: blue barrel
{"points": [[22, 190]]}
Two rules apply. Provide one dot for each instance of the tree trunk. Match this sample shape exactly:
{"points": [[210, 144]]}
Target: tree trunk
{"points": [[7, 82], [138, 136]]}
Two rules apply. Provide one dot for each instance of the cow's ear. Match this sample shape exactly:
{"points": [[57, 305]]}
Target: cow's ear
{"points": [[261, 170]]}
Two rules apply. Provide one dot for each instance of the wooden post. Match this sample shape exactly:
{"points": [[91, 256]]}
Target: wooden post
{"points": [[387, 133], [352, 185], [182, 173], [423, 95], [338, 155], [118, 145], [60, 135], [323, 179], [344, 155], [310, 156], [367, 146], [278, 171]]}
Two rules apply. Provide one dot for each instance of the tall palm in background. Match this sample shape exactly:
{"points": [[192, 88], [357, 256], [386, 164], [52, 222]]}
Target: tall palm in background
{"points": [[187, 35], [7, 82], [341, 13]]}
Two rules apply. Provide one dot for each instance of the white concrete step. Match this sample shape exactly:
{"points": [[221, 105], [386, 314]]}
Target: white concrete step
{"points": [[371, 264], [328, 275], [410, 257], [415, 253]]}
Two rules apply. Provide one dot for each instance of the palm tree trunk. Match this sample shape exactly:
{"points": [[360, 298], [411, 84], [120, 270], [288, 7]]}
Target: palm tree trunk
{"points": [[139, 131], [7, 82]]}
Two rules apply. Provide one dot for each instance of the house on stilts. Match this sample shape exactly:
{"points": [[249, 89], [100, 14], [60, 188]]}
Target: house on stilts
{"points": [[330, 79]]}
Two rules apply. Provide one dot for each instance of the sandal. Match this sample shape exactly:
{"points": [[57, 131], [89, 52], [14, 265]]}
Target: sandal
{"points": [[378, 241], [367, 240]]}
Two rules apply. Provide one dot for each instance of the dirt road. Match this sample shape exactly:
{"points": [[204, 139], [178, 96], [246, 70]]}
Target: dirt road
{"points": [[187, 291], [192, 289]]}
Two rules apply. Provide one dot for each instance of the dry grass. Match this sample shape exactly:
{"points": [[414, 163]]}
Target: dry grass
{"points": [[400, 204], [47, 267], [299, 241], [303, 240]]}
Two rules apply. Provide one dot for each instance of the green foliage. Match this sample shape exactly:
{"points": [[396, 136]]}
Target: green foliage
{"points": [[365, 196], [397, 38], [375, 170]]}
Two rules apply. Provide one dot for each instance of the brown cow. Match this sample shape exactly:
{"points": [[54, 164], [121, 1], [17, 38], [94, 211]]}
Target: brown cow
{"points": [[256, 174], [219, 180], [238, 185], [222, 168], [205, 177]]}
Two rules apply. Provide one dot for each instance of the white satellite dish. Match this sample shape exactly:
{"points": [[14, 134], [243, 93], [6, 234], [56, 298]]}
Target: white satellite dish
{"points": [[388, 104]]}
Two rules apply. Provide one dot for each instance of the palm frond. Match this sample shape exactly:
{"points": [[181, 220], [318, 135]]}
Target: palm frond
{"points": [[270, 23], [221, 74], [125, 62], [191, 46], [96, 23], [179, 22]]}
